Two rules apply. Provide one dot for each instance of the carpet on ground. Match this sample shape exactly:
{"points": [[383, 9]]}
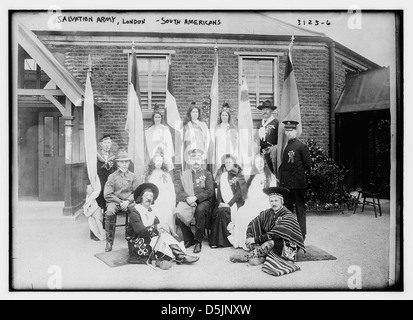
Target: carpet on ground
{"points": [[117, 258], [313, 253]]}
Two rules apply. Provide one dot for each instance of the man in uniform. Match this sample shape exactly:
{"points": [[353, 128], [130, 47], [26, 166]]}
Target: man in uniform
{"points": [[296, 160], [118, 194], [105, 167], [194, 192], [268, 133]]}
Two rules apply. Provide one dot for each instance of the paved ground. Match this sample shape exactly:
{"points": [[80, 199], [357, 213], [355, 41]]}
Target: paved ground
{"points": [[46, 244]]}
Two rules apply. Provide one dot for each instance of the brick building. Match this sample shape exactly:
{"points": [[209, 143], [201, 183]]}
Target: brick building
{"points": [[51, 54]]}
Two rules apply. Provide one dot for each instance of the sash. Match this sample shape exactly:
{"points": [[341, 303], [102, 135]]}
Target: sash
{"points": [[227, 194]]}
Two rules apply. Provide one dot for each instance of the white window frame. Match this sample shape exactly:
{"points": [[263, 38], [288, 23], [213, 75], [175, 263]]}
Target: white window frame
{"points": [[274, 56]]}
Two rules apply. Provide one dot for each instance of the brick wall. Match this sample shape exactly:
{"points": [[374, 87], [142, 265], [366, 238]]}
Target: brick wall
{"points": [[192, 70]]}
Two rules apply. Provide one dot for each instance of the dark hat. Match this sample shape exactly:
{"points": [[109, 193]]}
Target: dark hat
{"points": [[226, 105], [195, 152], [290, 124], [141, 188], [123, 156], [279, 191], [267, 104], [105, 137], [234, 158]]}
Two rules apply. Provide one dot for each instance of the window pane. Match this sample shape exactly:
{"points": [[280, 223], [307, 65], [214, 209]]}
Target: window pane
{"points": [[48, 137], [152, 80], [260, 79], [30, 64]]}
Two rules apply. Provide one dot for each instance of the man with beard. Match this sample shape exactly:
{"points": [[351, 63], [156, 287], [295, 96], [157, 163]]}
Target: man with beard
{"points": [[149, 240], [273, 237]]}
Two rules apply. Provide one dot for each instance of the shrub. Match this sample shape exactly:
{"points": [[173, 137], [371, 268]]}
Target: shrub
{"points": [[326, 189]]}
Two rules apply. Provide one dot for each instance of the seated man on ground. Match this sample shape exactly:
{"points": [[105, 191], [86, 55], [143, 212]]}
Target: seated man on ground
{"points": [[274, 237], [150, 241]]}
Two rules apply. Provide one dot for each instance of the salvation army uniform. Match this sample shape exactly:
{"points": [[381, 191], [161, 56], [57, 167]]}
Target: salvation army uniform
{"points": [[295, 161]]}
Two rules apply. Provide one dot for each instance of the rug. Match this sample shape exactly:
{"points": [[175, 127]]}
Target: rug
{"points": [[313, 253], [114, 258]]}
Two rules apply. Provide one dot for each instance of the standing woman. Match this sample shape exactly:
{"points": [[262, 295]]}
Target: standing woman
{"points": [[255, 203], [229, 200], [158, 138], [157, 173], [196, 134], [226, 138]]}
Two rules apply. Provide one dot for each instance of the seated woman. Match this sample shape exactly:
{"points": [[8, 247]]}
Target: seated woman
{"points": [[255, 203], [229, 199], [157, 173], [150, 241]]}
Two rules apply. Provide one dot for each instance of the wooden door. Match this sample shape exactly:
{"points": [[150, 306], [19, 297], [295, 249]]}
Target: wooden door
{"points": [[51, 156]]}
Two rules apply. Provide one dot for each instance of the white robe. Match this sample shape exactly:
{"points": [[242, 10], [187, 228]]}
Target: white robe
{"points": [[256, 202], [165, 204]]}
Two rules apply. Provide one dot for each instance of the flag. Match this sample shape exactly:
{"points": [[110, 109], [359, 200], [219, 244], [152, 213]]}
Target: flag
{"points": [[290, 107], [245, 129], [90, 137], [90, 208], [213, 116], [134, 122], [173, 119]]}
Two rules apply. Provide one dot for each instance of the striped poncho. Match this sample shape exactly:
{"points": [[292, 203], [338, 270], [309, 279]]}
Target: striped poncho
{"points": [[270, 224]]}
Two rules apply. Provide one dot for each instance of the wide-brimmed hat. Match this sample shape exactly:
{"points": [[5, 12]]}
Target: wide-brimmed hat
{"points": [[141, 188], [267, 104], [278, 191], [123, 156]]}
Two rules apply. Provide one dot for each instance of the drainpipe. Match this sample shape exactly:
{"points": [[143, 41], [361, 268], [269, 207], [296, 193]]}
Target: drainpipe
{"points": [[332, 49]]}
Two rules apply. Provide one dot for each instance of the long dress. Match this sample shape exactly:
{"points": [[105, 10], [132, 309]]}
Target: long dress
{"points": [[164, 205], [229, 192], [256, 202], [226, 142], [160, 138], [196, 136]]}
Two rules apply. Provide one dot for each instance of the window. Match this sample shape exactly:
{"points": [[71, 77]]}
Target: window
{"points": [[152, 80], [262, 78], [34, 76]]}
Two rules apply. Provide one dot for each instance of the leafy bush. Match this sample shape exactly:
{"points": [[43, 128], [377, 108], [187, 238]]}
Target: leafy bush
{"points": [[326, 189]]}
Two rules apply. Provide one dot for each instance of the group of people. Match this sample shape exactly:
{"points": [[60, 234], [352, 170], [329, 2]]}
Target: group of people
{"points": [[239, 211]]}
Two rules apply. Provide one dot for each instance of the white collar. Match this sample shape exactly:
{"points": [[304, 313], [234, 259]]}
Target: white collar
{"points": [[148, 217]]}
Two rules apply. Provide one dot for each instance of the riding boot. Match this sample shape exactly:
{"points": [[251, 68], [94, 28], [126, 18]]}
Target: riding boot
{"points": [[110, 226], [181, 257]]}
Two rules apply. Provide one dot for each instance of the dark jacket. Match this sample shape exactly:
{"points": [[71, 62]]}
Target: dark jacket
{"points": [[271, 135], [104, 169], [236, 190], [292, 169], [136, 228], [203, 186]]}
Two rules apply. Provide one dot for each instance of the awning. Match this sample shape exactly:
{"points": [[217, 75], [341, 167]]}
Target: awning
{"points": [[67, 83], [367, 91]]}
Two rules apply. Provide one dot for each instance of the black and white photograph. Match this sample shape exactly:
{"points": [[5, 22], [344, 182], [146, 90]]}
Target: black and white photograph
{"points": [[195, 150]]}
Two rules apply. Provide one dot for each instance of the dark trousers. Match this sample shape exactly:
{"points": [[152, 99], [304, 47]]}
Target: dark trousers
{"points": [[201, 215], [268, 160], [296, 198]]}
